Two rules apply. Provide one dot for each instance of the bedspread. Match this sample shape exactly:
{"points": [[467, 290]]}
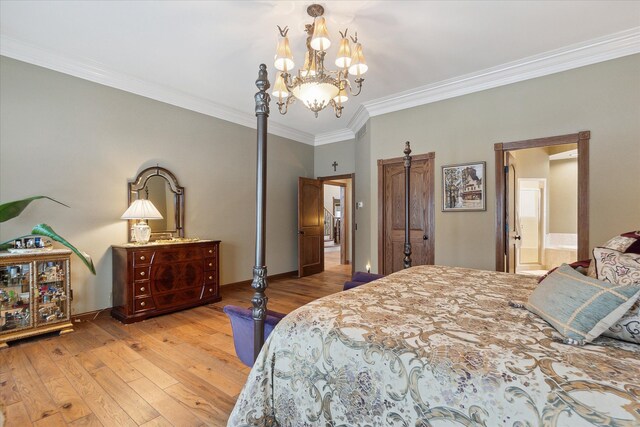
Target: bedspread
{"points": [[434, 346]]}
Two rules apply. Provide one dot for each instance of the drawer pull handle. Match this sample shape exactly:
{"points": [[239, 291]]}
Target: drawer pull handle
{"points": [[142, 273], [142, 289], [210, 290], [210, 251], [210, 264], [210, 277], [142, 304], [142, 258]]}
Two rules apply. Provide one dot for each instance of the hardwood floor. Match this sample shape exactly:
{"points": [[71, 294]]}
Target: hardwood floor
{"points": [[174, 370]]}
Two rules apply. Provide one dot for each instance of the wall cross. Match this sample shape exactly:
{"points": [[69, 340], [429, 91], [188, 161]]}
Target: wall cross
{"points": [[335, 165]]}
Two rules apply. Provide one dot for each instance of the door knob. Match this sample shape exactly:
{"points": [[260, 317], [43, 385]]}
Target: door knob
{"points": [[424, 237]]}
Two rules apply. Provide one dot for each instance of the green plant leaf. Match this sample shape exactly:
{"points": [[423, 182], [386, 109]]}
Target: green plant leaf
{"points": [[45, 230], [11, 210]]}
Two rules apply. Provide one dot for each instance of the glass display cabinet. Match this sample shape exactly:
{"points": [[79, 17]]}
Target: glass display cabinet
{"points": [[35, 293]]}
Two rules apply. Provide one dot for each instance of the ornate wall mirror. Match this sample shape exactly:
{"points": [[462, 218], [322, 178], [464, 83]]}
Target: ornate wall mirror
{"points": [[161, 187]]}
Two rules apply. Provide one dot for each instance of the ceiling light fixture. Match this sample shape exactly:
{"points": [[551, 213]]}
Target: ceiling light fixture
{"points": [[314, 85]]}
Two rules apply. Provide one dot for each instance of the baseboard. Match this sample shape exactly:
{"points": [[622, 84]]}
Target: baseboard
{"points": [[90, 315], [244, 283]]}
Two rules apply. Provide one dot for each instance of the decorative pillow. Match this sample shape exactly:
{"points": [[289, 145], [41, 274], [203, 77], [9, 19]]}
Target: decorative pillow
{"points": [[626, 242], [627, 328], [580, 266], [615, 267], [579, 307]]}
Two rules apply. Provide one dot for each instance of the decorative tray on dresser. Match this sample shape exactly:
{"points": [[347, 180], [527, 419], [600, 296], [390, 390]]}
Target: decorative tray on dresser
{"points": [[159, 278]]}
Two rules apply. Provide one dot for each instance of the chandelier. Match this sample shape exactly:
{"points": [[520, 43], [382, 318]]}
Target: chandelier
{"points": [[314, 85]]}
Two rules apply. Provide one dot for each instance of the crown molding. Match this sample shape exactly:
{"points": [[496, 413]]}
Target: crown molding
{"points": [[359, 119], [95, 72], [334, 136], [574, 56]]}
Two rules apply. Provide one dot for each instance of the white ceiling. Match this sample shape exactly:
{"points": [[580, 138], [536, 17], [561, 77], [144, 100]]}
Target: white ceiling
{"points": [[204, 55]]}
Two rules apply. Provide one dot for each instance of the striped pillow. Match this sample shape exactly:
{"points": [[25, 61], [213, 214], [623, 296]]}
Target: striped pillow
{"points": [[579, 307]]}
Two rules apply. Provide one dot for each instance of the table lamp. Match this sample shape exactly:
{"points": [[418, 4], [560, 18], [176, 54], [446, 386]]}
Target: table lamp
{"points": [[141, 209]]}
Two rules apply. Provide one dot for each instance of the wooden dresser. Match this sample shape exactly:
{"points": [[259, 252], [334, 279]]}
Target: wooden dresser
{"points": [[154, 279]]}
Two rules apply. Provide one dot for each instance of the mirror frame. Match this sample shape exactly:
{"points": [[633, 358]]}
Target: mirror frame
{"points": [[141, 181]]}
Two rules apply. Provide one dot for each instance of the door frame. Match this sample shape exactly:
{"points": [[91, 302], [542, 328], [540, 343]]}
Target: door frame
{"points": [[351, 176], [582, 141], [431, 227]]}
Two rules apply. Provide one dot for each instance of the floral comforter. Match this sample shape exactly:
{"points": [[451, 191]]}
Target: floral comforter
{"points": [[435, 346]]}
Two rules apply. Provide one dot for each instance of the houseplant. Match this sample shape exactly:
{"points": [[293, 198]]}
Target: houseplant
{"points": [[11, 210]]}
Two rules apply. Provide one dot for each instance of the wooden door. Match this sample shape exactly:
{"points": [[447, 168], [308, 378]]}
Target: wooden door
{"points": [[310, 226], [391, 193]]}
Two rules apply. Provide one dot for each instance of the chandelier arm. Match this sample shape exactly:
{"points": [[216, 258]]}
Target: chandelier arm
{"points": [[337, 109], [283, 106], [359, 87]]}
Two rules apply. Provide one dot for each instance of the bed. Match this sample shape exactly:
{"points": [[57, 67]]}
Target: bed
{"points": [[435, 345]]}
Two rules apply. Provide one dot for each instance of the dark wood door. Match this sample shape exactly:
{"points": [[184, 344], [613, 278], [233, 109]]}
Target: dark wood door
{"points": [[391, 193], [310, 226]]}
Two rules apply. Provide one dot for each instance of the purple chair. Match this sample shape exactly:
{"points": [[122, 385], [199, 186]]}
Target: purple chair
{"points": [[360, 278], [242, 327]]}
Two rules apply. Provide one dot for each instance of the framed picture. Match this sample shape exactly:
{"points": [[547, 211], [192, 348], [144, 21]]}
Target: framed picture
{"points": [[463, 187]]}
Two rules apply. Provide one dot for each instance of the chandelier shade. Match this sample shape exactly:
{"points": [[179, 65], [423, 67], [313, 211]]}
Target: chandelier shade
{"points": [[358, 64], [284, 57], [344, 54], [314, 85], [314, 95], [320, 39], [341, 97], [280, 88]]}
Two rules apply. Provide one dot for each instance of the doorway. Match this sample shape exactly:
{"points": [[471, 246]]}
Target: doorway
{"points": [[334, 223], [542, 191], [326, 214], [391, 214]]}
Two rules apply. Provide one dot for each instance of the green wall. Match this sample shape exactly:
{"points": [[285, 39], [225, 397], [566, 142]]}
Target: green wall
{"points": [[80, 142], [603, 98]]}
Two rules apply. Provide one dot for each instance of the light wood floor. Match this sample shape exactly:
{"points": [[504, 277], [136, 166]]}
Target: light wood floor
{"points": [[179, 369]]}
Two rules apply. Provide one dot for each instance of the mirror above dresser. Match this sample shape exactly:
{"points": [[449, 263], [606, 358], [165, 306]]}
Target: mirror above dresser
{"points": [[160, 187]]}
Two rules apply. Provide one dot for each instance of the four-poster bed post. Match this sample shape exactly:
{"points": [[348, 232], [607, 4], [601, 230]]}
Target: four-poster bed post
{"points": [[407, 205], [259, 283]]}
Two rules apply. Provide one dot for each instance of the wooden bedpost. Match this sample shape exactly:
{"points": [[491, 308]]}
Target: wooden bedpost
{"points": [[259, 283], [407, 205]]}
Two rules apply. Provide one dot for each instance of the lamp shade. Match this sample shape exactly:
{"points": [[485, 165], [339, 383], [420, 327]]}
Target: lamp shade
{"points": [[284, 57], [320, 39], [141, 209], [279, 88], [343, 60], [358, 64], [342, 96]]}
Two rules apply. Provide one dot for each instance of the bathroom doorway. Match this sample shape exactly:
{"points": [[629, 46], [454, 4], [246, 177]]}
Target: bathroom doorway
{"points": [[542, 202]]}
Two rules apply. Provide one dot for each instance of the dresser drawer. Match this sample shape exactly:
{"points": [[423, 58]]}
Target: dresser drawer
{"points": [[141, 289], [172, 255], [210, 278], [142, 257], [210, 264], [141, 273], [143, 304], [175, 299], [210, 291], [210, 251]]}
